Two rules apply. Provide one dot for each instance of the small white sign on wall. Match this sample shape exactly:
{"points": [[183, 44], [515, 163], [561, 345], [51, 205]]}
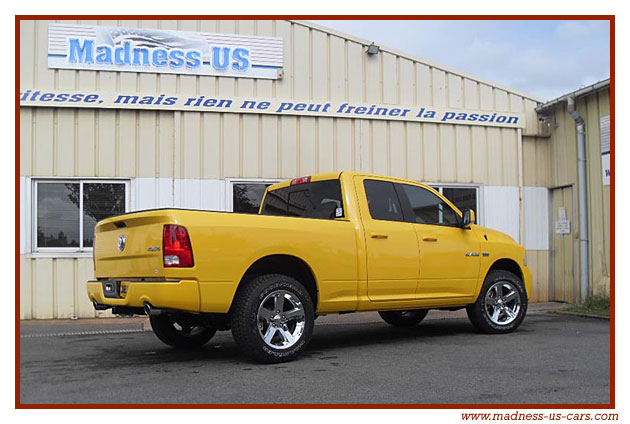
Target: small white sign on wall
{"points": [[563, 225]]}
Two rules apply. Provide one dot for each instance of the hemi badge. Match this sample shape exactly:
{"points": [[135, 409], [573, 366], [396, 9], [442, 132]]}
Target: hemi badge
{"points": [[485, 254], [472, 253], [154, 249]]}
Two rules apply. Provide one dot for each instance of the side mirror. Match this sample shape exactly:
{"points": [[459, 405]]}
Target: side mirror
{"points": [[468, 219]]}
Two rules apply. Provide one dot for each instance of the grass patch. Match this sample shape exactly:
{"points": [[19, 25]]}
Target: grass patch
{"points": [[594, 305]]}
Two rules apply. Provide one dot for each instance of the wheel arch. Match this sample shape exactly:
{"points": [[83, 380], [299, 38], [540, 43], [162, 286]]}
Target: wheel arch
{"points": [[289, 265], [506, 264]]}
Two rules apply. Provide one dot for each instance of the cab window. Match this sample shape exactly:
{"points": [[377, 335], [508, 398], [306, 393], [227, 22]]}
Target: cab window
{"points": [[319, 200], [382, 200], [427, 208]]}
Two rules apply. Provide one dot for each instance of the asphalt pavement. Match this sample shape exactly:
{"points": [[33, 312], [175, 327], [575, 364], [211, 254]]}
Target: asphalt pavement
{"points": [[353, 358]]}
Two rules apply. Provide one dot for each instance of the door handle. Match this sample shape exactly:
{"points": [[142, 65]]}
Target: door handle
{"points": [[429, 238], [378, 235]]}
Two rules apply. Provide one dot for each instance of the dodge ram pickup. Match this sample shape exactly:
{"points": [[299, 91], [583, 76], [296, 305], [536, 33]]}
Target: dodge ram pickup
{"points": [[323, 244]]}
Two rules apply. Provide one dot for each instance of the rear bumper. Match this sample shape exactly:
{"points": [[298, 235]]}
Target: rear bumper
{"points": [[181, 295]]}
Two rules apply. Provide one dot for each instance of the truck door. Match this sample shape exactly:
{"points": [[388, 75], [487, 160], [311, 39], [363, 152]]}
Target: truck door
{"points": [[449, 254], [391, 244]]}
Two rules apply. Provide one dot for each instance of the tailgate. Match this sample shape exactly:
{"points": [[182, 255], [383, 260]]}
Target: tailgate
{"points": [[130, 245]]}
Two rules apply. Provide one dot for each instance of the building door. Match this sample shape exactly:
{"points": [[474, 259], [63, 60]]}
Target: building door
{"points": [[563, 227]]}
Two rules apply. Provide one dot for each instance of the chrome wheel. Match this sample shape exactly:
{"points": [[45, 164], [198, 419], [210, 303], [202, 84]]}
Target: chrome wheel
{"points": [[502, 303], [281, 319]]}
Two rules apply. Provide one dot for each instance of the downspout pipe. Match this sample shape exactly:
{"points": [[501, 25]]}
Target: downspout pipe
{"points": [[582, 196]]}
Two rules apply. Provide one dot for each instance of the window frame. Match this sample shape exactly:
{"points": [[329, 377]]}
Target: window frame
{"points": [[479, 213], [81, 250], [229, 189]]}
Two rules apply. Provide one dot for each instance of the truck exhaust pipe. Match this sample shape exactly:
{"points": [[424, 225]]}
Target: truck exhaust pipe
{"points": [[99, 306], [151, 311]]}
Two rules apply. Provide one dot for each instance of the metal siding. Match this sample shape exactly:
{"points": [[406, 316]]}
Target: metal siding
{"points": [[65, 140], [307, 146], [471, 94], [538, 263], [325, 145], [430, 157], [414, 154], [536, 216], [480, 154], [43, 289], [501, 209], [424, 84], [379, 147], [407, 82], [397, 149], [26, 288], [537, 161], [64, 286], [448, 154], [390, 78], [455, 91], [440, 92], [269, 148], [251, 146], [337, 66], [563, 164], [320, 78], [463, 151]]}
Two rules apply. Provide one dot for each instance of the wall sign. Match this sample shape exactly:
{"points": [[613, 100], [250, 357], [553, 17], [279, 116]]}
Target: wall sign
{"points": [[604, 126], [563, 225], [208, 103], [163, 51]]}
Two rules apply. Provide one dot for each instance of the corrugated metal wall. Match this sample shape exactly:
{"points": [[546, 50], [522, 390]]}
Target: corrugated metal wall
{"points": [[192, 145], [563, 149]]}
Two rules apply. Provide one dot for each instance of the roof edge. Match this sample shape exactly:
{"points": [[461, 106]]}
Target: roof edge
{"points": [[593, 88], [418, 59]]}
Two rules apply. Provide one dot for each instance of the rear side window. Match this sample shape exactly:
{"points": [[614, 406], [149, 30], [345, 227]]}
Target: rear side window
{"points": [[320, 200], [382, 200]]}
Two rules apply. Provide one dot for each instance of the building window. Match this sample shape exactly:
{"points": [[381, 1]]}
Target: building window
{"points": [[427, 207], [66, 212], [245, 196], [464, 197]]}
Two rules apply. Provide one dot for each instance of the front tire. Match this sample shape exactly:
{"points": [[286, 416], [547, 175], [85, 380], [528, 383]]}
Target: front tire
{"points": [[180, 331], [272, 318], [501, 305], [404, 318]]}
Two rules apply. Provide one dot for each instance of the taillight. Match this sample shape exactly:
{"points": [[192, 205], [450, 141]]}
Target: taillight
{"points": [[176, 247], [301, 180]]}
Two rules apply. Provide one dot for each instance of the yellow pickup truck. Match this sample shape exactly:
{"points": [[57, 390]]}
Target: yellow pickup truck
{"points": [[323, 244]]}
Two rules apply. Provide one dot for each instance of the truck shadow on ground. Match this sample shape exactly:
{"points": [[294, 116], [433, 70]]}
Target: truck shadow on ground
{"points": [[325, 338]]}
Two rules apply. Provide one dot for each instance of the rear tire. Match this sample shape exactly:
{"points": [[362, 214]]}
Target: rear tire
{"points": [[272, 318], [180, 331], [404, 318], [501, 305]]}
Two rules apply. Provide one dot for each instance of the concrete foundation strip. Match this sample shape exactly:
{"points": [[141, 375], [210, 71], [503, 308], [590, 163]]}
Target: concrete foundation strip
{"points": [[83, 333]]}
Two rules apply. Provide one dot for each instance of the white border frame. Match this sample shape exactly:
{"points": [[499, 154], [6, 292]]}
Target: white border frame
{"points": [[480, 216], [33, 251]]}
